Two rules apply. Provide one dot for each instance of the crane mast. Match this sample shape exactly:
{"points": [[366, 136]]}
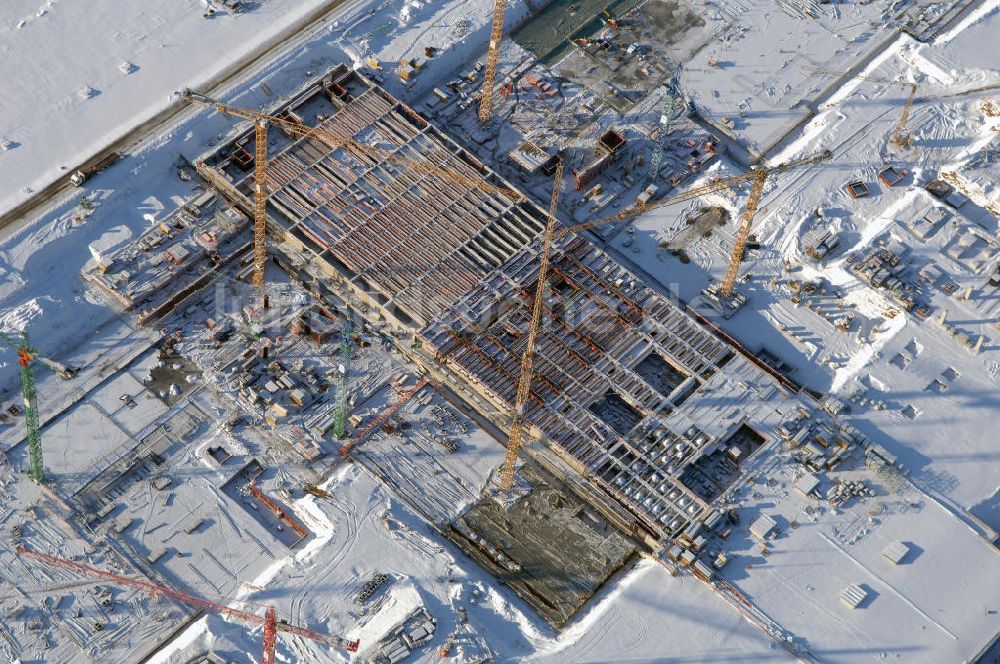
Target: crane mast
{"points": [[260, 208], [492, 56], [36, 468], [743, 232], [346, 346], [25, 356], [899, 135], [666, 112], [527, 361]]}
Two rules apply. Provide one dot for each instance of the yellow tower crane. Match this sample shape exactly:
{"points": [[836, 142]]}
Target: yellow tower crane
{"points": [[528, 359], [333, 140], [758, 176], [492, 57], [900, 136]]}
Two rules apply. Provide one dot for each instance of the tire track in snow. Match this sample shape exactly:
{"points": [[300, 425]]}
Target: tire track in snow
{"points": [[348, 509]]}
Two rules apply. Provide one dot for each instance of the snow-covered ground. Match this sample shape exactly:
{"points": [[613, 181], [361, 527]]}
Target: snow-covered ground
{"points": [[643, 614], [927, 608], [81, 74]]}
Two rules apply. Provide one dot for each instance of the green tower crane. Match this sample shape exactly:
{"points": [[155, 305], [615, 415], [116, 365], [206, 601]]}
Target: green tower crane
{"points": [[666, 113], [25, 355], [346, 347]]}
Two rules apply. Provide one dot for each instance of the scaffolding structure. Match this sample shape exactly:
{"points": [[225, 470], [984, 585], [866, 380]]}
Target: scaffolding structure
{"points": [[417, 218], [458, 258], [600, 323]]}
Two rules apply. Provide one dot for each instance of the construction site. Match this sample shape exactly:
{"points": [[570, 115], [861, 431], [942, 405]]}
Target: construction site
{"points": [[639, 331]]}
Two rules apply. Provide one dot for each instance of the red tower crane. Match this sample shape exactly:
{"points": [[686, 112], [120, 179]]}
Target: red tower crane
{"points": [[382, 417], [268, 620]]}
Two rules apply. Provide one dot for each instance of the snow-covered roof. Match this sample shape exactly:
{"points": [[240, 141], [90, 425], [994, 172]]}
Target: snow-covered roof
{"points": [[853, 595], [763, 526], [895, 552], [807, 484]]}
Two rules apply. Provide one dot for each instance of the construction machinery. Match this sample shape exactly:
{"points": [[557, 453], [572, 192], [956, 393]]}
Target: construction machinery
{"points": [[527, 361], [492, 56], [269, 620], [25, 355], [379, 419], [82, 175], [346, 348], [758, 176]]}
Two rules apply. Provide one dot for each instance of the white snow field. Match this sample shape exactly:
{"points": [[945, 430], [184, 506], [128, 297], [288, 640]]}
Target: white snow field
{"points": [[80, 75]]}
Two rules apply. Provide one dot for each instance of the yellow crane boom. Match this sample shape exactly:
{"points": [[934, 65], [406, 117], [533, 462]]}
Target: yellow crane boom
{"points": [[746, 221], [528, 359], [758, 176], [492, 56], [260, 207]]}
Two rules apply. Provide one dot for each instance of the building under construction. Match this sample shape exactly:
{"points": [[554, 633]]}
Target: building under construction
{"points": [[411, 235], [621, 383], [652, 405]]}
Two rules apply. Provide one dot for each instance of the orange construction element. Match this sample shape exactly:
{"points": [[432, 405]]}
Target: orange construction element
{"points": [[270, 636], [269, 621], [527, 361], [382, 417], [279, 512]]}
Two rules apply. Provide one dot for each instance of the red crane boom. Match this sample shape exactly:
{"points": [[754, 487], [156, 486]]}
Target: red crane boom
{"points": [[382, 417], [279, 512], [269, 620]]}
